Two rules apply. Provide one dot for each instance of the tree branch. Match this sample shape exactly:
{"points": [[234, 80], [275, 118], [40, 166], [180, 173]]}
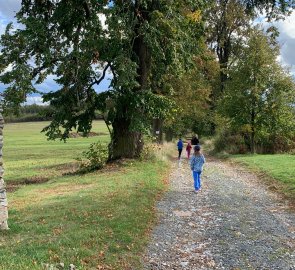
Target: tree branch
{"points": [[101, 77], [39, 69], [87, 10]]}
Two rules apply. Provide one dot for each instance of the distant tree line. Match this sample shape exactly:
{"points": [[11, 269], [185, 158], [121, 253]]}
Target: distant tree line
{"points": [[30, 113], [34, 113]]}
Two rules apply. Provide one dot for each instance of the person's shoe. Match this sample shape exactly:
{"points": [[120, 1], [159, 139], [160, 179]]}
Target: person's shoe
{"points": [[196, 191]]}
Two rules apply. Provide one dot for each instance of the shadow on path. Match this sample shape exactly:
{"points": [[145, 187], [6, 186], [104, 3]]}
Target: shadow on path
{"points": [[233, 223]]}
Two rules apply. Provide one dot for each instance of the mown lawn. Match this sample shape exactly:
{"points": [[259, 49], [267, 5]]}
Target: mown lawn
{"points": [[29, 155], [280, 167], [98, 220]]}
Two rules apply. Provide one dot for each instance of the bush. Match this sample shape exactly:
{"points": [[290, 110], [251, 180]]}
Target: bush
{"points": [[94, 158], [238, 142], [149, 151], [231, 142]]}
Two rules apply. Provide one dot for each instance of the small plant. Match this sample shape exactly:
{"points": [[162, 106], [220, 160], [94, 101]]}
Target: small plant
{"points": [[94, 158], [149, 152]]}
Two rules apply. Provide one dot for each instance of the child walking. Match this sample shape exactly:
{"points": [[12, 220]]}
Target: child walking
{"points": [[188, 149], [197, 162], [179, 147]]}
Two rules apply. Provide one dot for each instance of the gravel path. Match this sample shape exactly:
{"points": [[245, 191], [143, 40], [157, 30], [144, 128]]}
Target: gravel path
{"points": [[233, 223]]}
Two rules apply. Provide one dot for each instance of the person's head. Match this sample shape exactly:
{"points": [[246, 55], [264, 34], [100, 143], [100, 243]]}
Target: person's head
{"points": [[196, 136], [197, 148], [180, 139]]}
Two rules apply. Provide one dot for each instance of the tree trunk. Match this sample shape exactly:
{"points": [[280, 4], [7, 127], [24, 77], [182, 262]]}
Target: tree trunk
{"points": [[169, 133], [158, 130], [3, 199], [125, 143]]}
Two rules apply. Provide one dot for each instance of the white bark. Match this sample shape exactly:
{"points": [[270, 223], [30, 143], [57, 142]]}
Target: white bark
{"points": [[3, 199]]}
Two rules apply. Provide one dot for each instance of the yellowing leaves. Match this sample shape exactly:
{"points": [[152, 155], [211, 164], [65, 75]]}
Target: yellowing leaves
{"points": [[195, 16]]}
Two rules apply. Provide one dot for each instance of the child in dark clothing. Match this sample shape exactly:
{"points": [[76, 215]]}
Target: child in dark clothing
{"points": [[179, 147], [195, 140]]}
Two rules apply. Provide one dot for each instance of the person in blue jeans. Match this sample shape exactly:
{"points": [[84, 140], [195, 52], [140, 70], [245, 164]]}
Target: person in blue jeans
{"points": [[179, 147], [197, 162]]}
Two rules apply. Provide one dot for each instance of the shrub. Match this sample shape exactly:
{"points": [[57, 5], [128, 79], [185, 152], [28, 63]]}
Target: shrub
{"points": [[148, 152], [231, 142], [94, 158]]}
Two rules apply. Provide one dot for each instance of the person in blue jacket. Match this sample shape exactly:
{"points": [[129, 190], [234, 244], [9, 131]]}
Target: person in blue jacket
{"points": [[179, 147], [197, 162]]}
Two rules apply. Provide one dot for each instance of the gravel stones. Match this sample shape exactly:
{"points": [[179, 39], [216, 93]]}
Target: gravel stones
{"points": [[232, 223]]}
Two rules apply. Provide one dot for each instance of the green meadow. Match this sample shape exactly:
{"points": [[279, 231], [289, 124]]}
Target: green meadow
{"points": [[280, 167], [28, 154], [98, 220]]}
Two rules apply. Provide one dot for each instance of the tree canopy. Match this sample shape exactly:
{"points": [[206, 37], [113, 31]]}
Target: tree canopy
{"points": [[259, 94], [80, 41], [147, 46]]}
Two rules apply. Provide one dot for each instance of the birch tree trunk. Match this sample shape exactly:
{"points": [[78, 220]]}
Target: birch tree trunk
{"points": [[3, 199]]}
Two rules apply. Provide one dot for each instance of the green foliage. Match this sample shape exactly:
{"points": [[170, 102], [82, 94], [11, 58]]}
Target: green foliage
{"points": [[191, 93], [229, 141], [259, 97], [94, 158], [274, 9], [29, 113], [140, 42]]}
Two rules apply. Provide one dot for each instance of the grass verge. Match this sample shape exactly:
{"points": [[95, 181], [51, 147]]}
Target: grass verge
{"points": [[278, 167], [99, 220]]}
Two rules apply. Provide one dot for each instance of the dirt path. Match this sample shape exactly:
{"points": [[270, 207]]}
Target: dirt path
{"points": [[234, 223]]}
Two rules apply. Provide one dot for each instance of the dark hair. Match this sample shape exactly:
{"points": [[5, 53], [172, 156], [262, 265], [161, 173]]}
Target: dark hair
{"points": [[197, 148]]}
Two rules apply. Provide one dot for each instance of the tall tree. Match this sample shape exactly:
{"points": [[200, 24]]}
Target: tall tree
{"points": [[192, 94], [259, 97], [69, 40], [227, 23]]}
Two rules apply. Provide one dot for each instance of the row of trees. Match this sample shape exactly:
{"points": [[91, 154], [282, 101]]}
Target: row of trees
{"points": [[161, 55], [188, 63]]}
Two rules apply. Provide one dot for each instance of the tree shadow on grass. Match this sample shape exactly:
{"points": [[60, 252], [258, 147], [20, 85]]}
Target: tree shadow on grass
{"points": [[14, 185]]}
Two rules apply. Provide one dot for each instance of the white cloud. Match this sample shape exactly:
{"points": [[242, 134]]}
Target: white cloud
{"points": [[287, 27], [286, 40], [35, 100], [102, 17]]}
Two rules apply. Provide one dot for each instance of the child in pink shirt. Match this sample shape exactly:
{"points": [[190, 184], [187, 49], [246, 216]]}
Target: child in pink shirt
{"points": [[188, 149]]}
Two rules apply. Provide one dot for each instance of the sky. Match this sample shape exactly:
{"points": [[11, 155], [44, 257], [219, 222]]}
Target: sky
{"points": [[8, 8], [286, 39]]}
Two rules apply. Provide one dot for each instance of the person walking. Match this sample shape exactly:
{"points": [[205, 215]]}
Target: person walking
{"points": [[179, 147], [188, 149], [195, 140], [196, 163]]}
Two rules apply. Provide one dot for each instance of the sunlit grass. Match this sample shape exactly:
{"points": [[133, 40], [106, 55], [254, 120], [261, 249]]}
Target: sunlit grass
{"points": [[100, 219], [28, 153], [281, 167]]}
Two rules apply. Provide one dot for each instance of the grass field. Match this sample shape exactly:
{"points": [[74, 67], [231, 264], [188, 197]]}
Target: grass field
{"points": [[280, 167], [29, 155], [98, 220]]}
